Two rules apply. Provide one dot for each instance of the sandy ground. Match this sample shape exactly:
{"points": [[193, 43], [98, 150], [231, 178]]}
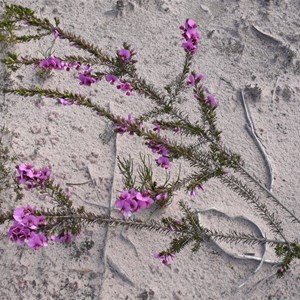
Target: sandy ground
{"points": [[245, 44]]}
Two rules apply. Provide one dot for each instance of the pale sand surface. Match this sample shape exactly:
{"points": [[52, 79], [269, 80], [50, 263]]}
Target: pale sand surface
{"points": [[78, 144]]}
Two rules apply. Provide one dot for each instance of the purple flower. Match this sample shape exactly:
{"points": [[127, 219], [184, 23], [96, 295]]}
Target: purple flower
{"points": [[133, 201], [157, 127], [211, 101], [21, 212], [177, 130], [194, 78], [86, 79], [32, 177], [157, 148], [125, 55], [191, 35], [64, 239], [123, 125], [36, 241], [56, 33], [164, 162], [165, 257], [52, 63], [111, 79], [125, 87], [162, 196], [19, 233]]}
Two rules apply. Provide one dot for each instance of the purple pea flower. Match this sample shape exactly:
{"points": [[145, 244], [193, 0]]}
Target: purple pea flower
{"points": [[64, 239], [55, 33], [165, 257], [162, 196], [19, 233], [37, 240], [211, 101], [156, 127], [164, 162], [86, 79], [125, 87], [194, 78], [125, 55], [111, 79]]}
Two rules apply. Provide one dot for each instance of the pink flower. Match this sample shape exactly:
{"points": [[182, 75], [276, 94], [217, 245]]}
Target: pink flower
{"points": [[56, 33], [86, 79], [125, 87], [162, 196], [111, 79], [125, 55], [32, 177], [51, 63], [163, 162], [19, 233], [156, 127], [165, 257], [64, 239], [211, 101], [191, 36], [21, 212], [123, 125], [36, 241], [194, 78], [133, 201]]}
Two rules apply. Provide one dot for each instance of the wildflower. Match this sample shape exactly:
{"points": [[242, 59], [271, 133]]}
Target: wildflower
{"points": [[123, 125], [125, 87], [177, 130], [64, 102], [26, 226], [111, 79], [211, 101], [164, 162], [162, 196], [55, 33], [19, 233], [125, 55], [195, 78], [52, 63], [191, 35], [193, 191], [165, 257], [157, 148], [133, 201], [64, 239], [86, 79], [156, 127], [32, 177], [37, 240]]}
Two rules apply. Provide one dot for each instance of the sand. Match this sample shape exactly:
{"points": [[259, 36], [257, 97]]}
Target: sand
{"points": [[246, 45]]}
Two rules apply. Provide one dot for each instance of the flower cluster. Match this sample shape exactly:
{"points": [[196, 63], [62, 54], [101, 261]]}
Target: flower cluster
{"points": [[133, 201], [165, 257], [27, 227], [124, 125], [54, 63], [164, 160], [209, 99], [191, 35], [122, 85], [32, 177], [86, 78], [126, 56], [195, 78]]}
